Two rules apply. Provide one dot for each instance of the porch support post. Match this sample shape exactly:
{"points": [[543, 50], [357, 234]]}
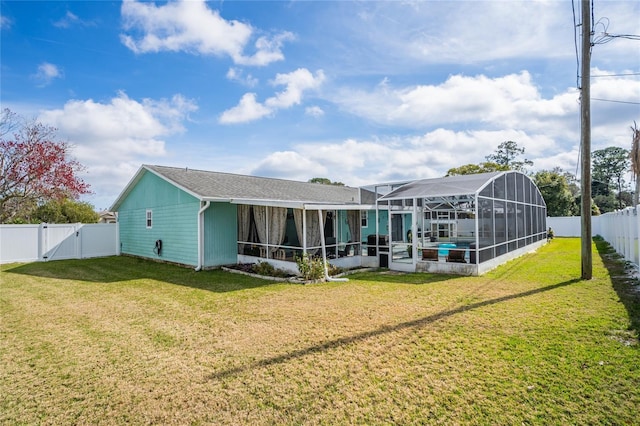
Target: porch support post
{"points": [[477, 217], [414, 232], [266, 224], [304, 230]]}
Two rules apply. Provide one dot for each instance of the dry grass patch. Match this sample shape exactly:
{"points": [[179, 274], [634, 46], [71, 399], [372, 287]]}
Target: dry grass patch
{"points": [[121, 340]]}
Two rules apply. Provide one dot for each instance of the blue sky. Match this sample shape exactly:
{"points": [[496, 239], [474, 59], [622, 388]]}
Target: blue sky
{"points": [[359, 92]]}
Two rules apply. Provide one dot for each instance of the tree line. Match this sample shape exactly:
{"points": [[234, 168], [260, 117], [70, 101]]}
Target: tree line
{"points": [[39, 180], [560, 189]]}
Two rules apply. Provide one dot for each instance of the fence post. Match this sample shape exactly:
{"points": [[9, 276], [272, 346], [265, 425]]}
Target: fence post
{"points": [[42, 229], [77, 228], [628, 234], [117, 237], [636, 245]]}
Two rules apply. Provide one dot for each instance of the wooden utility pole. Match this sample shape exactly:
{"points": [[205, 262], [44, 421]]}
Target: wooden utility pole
{"points": [[585, 131]]}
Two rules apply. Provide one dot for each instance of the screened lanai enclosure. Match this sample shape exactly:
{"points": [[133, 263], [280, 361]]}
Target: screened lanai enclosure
{"points": [[280, 234], [464, 224]]}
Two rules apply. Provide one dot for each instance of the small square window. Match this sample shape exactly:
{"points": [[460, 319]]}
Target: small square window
{"points": [[149, 218]]}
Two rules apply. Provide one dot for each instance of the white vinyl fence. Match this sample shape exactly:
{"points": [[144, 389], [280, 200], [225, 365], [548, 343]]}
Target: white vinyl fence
{"points": [[621, 229], [44, 242]]}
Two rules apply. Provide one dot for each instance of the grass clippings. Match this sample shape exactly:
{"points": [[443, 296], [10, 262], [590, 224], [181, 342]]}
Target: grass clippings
{"points": [[124, 340]]}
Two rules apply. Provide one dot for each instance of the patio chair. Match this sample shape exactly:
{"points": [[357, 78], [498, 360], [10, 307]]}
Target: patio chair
{"points": [[456, 256], [430, 254]]}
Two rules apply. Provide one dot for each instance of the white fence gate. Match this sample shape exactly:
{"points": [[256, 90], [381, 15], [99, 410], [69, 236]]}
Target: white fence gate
{"points": [[44, 242]]}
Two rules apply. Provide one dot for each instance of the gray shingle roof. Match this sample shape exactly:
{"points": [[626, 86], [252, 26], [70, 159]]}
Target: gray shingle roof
{"points": [[445, 186], [216, 185]]}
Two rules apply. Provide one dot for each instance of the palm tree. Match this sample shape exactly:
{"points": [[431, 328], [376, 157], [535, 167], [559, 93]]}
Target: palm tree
{"points": [[635, 161]]}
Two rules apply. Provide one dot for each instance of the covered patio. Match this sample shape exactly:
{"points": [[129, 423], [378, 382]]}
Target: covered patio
{"points": [[280, 232], [464, 224]]}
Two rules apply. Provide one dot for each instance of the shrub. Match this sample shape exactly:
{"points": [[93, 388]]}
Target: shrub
{"points": [[311, 268], [263, 268], [267, 269]]}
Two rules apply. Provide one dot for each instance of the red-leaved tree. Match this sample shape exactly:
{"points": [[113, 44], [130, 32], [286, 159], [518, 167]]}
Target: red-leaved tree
{"points": [[35, 167]]}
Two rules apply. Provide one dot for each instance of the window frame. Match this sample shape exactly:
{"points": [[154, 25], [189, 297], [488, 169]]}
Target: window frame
{"points": [[149, 219]]}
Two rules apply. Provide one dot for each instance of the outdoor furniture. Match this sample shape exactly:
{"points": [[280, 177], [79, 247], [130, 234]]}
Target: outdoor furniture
{"points": [[456, 256], [430, 254]]}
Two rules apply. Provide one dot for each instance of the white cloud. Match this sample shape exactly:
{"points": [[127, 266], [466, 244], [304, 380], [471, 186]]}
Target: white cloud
{"points": [[247, 110], [289, 165], [189, 25], [117, 136], [314, 111], [459, 99], [361, 162], [71, 19], [238, 75], [377, 38], [267, 50], [46, 74], [296, 82], [510, 102], [5, 23]]}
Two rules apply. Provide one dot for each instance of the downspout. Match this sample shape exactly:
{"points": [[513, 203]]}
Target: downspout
{"points": [[324, 253], [200, 234]]}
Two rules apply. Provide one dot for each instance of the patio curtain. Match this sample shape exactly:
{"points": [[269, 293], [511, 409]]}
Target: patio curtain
{"points": [[277, 225], [244, 224], [313, 228], [260, 216], [353, 221]]}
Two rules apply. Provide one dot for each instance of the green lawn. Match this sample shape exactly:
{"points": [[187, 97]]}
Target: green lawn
{"points": [[123, 340]]}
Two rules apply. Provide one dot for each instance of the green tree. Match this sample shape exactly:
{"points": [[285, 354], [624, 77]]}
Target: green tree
{"points": [[557, 193], [506, 155], [65, 211], [325, 181], [609, 166], [471, 169]]}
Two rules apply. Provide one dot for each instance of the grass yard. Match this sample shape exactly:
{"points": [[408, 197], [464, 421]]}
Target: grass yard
{"points": [[123, 340]]}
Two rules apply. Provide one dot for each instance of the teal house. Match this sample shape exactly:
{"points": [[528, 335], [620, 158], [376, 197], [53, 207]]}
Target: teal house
{"points": [[458, 224], [207, 219]]}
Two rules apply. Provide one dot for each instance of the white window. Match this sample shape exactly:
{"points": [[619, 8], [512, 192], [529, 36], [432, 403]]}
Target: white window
{"points": [[149, 218], [364, 217]]}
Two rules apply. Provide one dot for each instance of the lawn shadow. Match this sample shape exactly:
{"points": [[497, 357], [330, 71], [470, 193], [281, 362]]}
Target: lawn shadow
{"points": [[388, 276], [347, 340], [624, 285], [114, 269]]}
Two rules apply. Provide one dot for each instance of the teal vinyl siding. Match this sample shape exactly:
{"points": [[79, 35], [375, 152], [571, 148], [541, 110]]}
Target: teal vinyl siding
{"points": [[174, 221], [220, 234], [370, 229]]}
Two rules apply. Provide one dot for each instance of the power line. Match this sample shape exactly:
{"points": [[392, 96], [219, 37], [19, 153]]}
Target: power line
{"points": [[618, 102], [575, 43], [604, 36], [617, 75]]}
